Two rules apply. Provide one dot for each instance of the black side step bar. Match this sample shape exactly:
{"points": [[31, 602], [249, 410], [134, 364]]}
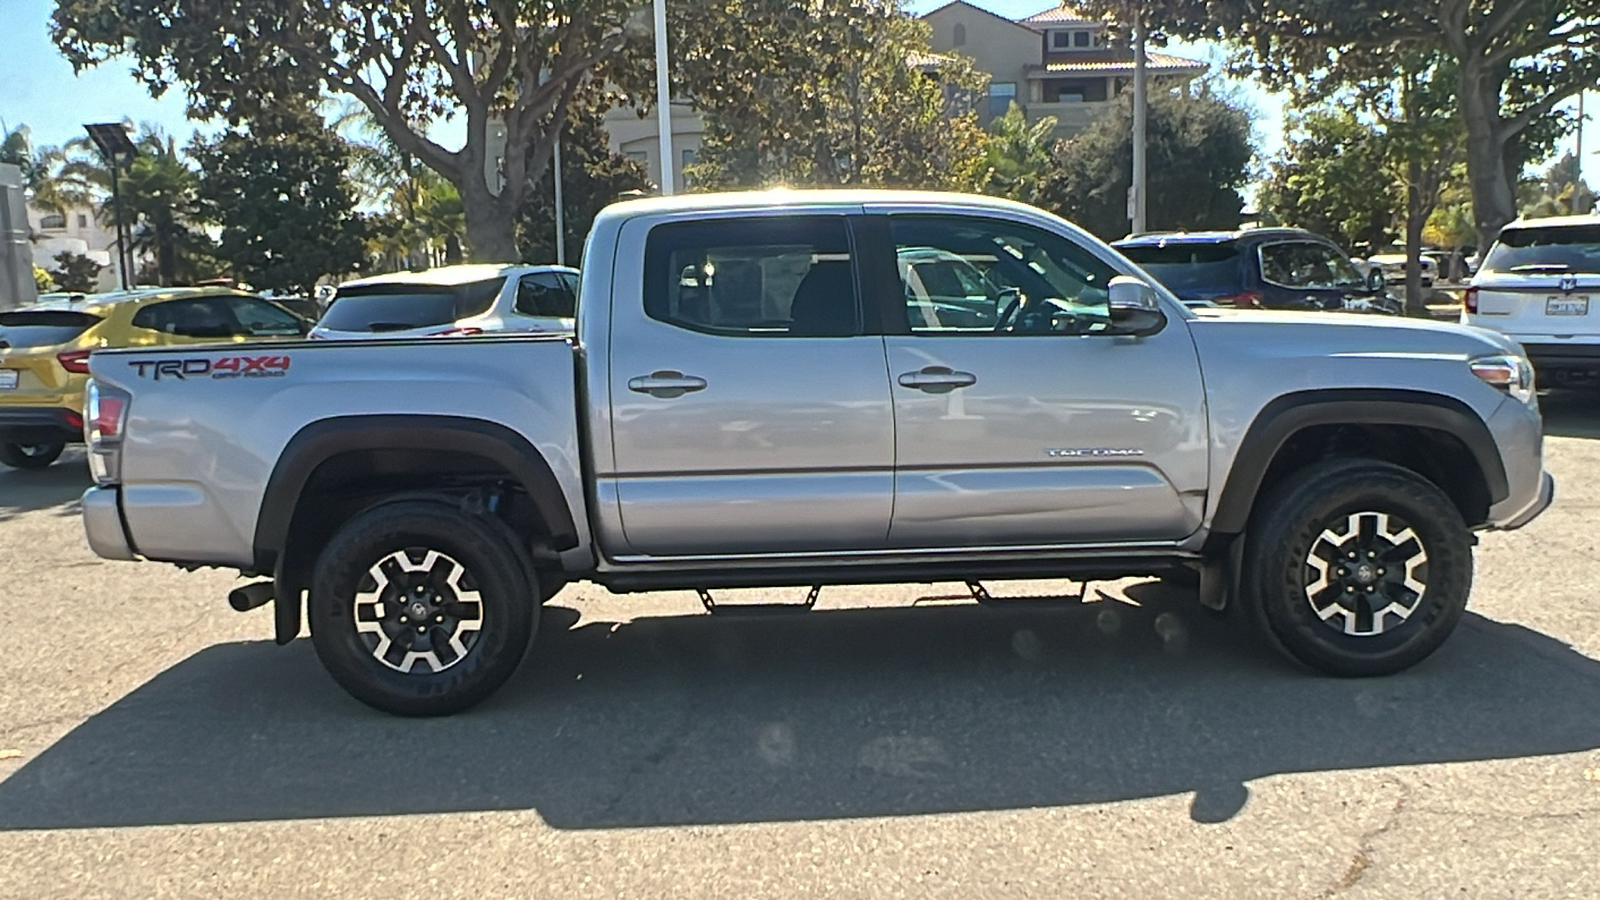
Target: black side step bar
{"points": [[758, 609]]}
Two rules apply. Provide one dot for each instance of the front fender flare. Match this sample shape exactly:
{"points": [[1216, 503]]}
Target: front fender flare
{"points": [[1282, 418]]}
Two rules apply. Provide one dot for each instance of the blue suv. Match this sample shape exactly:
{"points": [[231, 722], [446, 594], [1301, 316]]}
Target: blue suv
{"points": [[1259, 268]]}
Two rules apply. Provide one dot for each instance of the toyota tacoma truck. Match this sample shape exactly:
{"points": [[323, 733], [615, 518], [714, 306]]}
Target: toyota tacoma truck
{"points": [[767, 390]]}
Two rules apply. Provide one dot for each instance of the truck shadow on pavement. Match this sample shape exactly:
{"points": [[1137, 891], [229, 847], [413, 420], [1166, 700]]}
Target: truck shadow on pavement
{"points": [[60, 485], [861, 712]]}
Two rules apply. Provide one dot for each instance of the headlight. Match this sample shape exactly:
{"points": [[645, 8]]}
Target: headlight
{"points": [[1511, 374]]}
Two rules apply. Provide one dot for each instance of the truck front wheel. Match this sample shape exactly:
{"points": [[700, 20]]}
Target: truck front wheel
{"points": [[419, 608], [1356, 567]]}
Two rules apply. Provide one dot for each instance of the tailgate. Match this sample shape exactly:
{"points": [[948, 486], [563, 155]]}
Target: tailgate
{"points": [[1544, 306]]}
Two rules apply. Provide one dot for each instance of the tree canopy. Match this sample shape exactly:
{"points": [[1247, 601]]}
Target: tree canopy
{"points": [[1516, 62], [283, 199], [843, 92], [502, 64], [1199, 155]]}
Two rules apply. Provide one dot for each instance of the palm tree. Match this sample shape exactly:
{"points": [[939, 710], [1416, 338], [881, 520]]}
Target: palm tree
{"points": [[159, 193]]}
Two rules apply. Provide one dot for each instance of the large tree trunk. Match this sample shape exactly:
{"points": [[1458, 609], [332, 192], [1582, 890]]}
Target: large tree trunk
{"points": [[491, 222], [1494, 195], [1416, 220]]}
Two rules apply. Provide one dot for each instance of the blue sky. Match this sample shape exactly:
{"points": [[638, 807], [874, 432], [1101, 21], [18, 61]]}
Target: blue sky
{"points": [[41, 91]]}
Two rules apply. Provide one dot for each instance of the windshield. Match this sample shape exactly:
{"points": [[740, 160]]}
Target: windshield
{"points": [[1556, 249], [42, 328], [401, 307], [1189, 268]]}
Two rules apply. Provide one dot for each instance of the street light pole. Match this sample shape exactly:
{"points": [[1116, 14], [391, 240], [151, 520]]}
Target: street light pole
{"points": [[1137, 194], [663, 99], [561, 220]]}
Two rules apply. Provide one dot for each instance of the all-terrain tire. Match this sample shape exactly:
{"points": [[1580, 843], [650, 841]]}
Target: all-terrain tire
{"points": [[421, 608], [1356, 567]]}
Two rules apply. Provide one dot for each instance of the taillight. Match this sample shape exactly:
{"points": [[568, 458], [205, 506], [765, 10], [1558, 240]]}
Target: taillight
{"points": [[105, 417], [1469, 301], [457, 332], [75, 361]]}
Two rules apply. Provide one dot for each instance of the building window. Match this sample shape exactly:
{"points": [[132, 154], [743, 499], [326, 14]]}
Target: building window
{"points": [[690, 157], [83, 220], [1082, 39], [959, 38], [639, 156], [52, 221], [1001, 95], [1060, 40]]}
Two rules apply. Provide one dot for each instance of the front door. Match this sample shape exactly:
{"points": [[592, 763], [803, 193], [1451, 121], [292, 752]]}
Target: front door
{"points": [[750, 407], [1020, 419]]}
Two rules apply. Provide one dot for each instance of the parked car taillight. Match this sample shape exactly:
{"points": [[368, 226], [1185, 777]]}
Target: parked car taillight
{"points": [[457, 332], [1244, 300], [1469, 300], [75, 361], [105, 415]]}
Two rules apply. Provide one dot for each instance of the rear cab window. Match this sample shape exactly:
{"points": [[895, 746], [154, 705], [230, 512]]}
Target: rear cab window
{"points": [[404, 306], [26, 329], [1190, 267], [1551, 250]]}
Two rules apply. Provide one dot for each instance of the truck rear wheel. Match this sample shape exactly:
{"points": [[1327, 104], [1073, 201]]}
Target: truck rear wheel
{"points": [[420, 609], [30, 456], [1357, 567]]}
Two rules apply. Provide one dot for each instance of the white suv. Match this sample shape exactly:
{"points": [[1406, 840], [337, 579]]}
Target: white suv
{"points": [[1536, 285], [454, 300]]}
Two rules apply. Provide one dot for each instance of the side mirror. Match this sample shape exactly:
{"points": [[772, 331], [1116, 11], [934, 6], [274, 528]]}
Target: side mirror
{"points": [[1135, 310], [1376, 281]]}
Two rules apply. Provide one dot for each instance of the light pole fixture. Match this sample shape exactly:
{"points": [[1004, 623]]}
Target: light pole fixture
{"points": [[663, 98], [117, 148]]}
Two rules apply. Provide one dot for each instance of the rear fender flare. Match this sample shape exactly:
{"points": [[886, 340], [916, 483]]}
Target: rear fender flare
{"points": [[323, 440]]}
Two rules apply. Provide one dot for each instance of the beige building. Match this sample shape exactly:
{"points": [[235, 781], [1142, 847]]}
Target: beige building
{"points": [[75, 231], [638, 138], [1054, 63]]}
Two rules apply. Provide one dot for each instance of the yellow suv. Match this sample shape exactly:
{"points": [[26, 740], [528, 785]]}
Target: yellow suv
{"points": [[44, 352]]}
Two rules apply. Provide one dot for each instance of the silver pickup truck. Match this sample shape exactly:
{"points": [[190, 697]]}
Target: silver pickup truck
{"points": [[807, 389]]}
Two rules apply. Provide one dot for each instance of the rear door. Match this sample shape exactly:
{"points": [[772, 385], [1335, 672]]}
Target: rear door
{"points": [[750, 407], [1039, 429]]}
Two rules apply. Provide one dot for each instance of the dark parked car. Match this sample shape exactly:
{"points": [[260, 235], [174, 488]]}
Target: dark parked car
{"points": [[1266, 268]]}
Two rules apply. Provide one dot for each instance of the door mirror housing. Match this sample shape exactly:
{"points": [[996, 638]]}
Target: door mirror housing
{"points": [[1135, 308]]}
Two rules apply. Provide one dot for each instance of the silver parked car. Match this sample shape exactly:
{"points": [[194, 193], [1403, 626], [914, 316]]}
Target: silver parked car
{"points": [[453, 300]]}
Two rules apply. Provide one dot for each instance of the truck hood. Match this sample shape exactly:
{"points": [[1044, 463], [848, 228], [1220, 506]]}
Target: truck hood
{"points": [[1311, 334]]}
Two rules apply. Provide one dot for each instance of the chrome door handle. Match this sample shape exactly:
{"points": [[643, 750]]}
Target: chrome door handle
{"points": [[666, 384], [937, 379]]}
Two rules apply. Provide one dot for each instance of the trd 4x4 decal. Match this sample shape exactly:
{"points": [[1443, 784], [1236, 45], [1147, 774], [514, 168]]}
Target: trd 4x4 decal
{"points": [[272, 366]]}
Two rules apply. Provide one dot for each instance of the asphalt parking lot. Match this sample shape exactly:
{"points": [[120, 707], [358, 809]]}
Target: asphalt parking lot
{"points": [[155, 743]]}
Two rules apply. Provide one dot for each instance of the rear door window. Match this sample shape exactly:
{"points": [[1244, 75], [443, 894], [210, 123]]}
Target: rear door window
{"points": [[1190, 268], [545, 294], [1309, 265], [784, 276], [1556, 250], [29, 329], [195, 317], [401, 307]]}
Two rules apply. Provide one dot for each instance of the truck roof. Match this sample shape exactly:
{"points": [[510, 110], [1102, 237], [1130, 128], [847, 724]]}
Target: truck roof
{"points": [[779, 197]]}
